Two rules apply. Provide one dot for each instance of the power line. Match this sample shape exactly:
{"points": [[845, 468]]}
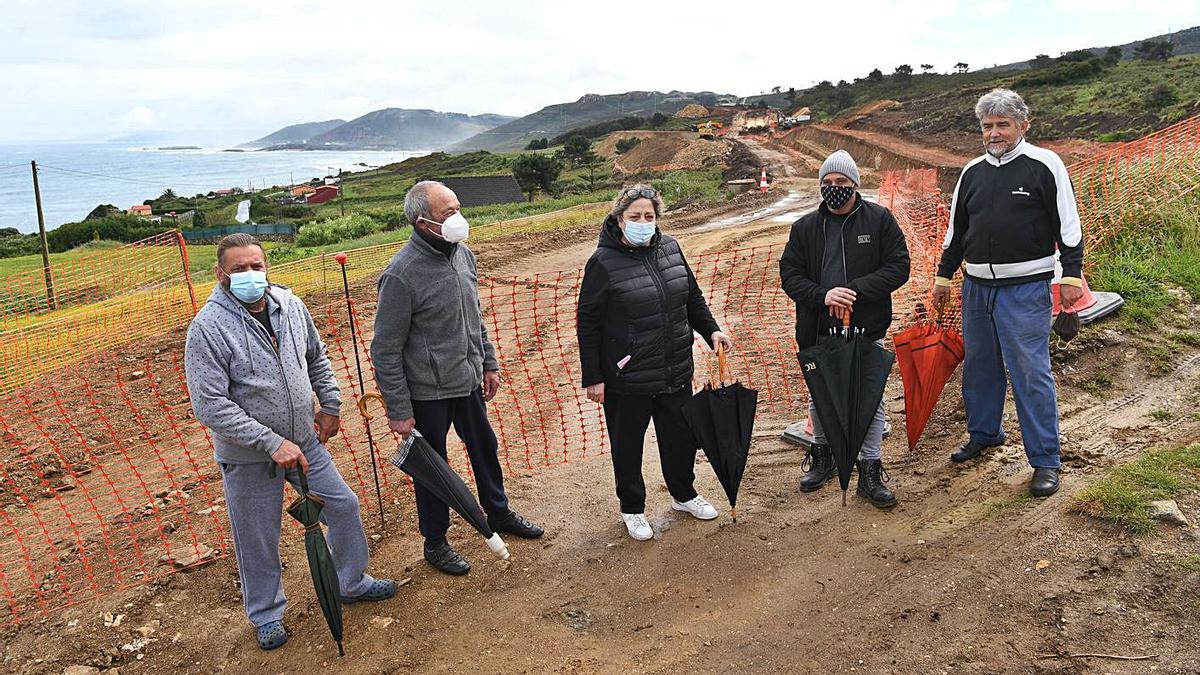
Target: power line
{"points": [[125, 179]]}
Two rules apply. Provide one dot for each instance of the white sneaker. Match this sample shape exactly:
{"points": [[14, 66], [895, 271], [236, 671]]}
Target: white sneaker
{"points": [[697, 506], [639, 528]]}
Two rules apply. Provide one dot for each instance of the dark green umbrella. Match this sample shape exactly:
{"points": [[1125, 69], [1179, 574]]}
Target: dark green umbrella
{"points": [[722, 422], [307, 510], [846, 375]]}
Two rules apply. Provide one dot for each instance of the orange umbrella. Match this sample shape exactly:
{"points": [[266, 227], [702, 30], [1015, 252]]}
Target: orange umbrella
{"points": [[927, 355]]}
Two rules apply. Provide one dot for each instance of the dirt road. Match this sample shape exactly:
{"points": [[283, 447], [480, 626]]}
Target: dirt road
{"points": [[964, 576]]}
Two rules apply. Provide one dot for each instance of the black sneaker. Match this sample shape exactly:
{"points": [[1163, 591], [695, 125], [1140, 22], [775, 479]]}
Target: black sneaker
{"points": [[818, 467], [515, 523], [871, 479], [445, 559], [970, 450]]}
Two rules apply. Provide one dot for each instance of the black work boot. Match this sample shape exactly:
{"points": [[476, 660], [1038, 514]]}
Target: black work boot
{"points": [[1044, 482], [818, 467], [970, 450], [871, 479]]}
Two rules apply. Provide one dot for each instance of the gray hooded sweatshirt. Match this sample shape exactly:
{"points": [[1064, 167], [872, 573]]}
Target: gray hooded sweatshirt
{"points": [[250, 397]]}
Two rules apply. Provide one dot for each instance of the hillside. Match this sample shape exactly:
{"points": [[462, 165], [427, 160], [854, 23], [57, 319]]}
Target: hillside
{"points": [[1116, 102], [556, 119], [295, 133], [1186, 41], [387, 129]]}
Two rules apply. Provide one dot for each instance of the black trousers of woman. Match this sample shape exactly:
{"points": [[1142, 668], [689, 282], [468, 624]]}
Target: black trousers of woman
{"points": [[628, 416]]}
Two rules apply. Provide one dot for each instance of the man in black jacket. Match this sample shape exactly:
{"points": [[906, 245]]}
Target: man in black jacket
{"points": [[1013, 207], [848, 255]]}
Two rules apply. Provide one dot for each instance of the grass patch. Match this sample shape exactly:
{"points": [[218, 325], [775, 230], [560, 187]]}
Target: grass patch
{"points": [[1147, 257], [1160, 415], [1190, 563], [1122, 494], [1097, 384], [1006, 503]]}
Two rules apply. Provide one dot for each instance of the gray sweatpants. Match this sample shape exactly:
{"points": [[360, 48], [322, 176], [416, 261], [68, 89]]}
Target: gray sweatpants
{"points": [[255, 502], [872, 447]]}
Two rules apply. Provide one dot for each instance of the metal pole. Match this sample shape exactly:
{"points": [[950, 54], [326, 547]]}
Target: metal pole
{"points": [[362, 387], [51, 297]]}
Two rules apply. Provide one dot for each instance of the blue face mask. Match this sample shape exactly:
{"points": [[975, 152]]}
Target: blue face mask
{"points": [[639, 234], [248, 286]]}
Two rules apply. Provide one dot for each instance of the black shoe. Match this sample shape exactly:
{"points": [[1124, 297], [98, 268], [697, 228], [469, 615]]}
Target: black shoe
{"points": [[443, 557], [515, 523], [1044, 482], [970, 450], [818, 467], [871, 479]]}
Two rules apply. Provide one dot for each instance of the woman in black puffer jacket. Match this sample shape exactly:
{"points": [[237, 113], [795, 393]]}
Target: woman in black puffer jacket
{"points": [[638, 306]]}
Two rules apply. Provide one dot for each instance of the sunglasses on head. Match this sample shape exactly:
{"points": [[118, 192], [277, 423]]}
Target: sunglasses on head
{"points": [[634, 193]]}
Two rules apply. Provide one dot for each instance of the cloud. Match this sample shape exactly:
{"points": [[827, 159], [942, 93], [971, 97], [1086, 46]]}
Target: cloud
{"points": [[139, 116]]}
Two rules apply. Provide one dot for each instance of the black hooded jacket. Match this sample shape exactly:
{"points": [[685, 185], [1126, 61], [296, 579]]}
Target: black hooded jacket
{"points": [[642, 302], [877, 264]]}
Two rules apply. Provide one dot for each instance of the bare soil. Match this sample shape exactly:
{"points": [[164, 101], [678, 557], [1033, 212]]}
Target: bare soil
{"points": [[965, 575]]}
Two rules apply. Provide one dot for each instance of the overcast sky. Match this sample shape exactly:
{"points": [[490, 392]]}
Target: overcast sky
{"points": [[225, 71]]}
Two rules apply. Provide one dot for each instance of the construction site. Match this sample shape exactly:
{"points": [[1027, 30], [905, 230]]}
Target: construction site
{"points": [[116, 551]]}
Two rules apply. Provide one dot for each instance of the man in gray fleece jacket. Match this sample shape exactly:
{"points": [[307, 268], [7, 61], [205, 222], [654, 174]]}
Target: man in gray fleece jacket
{"points": [[435, 365], [254, 359]]}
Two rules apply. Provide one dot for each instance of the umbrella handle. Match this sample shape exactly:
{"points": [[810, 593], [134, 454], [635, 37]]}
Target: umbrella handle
{"points": [[722, 364], [846, 321], [362, 403]]}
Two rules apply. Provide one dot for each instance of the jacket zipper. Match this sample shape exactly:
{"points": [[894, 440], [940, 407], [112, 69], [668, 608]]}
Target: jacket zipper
{"points": [[660, 286], [283, 375]]}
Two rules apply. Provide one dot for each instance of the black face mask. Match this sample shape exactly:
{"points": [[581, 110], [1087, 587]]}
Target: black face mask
{"points": [[836, 196], [1066, 325]]}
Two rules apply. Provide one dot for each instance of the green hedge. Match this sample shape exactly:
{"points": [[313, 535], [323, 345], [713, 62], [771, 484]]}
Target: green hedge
{"points": [[115, 228], [334, 230]]}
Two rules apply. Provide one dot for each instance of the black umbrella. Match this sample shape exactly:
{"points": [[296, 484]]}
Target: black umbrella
{"points": [[722, 421], [307, 510], [846, 376], [418, 459]]}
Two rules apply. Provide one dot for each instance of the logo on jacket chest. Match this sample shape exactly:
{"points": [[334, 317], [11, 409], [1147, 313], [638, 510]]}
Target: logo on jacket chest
{"points": [[1021, 191], [864, 238]]}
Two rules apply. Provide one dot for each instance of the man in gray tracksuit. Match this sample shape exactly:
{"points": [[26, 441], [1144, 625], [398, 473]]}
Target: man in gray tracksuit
{"points": [[254, 359]]}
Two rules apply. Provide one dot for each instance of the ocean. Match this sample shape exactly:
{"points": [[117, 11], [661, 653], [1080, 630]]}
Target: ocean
{"points": [[76, 177]]}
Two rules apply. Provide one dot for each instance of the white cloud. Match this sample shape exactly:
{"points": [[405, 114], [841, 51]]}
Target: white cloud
{"points": [[139, 116], [240, 70]]}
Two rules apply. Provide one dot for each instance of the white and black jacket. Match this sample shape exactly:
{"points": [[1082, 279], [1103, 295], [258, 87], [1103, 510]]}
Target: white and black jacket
{"points": [[1009, 215]]}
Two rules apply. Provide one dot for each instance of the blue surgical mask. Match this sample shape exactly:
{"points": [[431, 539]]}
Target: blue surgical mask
{"points": [[640, 234], [248, 286]]}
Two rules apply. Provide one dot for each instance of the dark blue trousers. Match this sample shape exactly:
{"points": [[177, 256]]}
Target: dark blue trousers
{"points": [[469, 417], [1006, 330]]}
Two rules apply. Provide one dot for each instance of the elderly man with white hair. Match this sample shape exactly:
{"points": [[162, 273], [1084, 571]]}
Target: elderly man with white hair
{"points": [[435, 365], [1013, 207]]}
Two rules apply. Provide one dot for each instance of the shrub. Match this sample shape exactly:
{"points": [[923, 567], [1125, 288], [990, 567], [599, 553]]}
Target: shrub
{"points": [[116, 228], [1063, 72], [334, 230], [19, 244], [297, 211], [624, 145], [538, 144], [1162, 96]]}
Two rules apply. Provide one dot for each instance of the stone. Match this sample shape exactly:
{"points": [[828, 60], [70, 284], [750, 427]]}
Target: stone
{"points": [[81, 670], [1167, 511], [1105, 560], [382, 621], [191, 557]]}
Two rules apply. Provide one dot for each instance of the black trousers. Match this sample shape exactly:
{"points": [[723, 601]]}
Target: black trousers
{"points": [[469, 417], [627, 417]]}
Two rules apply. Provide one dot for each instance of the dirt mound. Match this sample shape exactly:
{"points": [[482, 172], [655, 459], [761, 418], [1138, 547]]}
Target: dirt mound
{"points": [[663, 151], [692, 111], [862, 111]]}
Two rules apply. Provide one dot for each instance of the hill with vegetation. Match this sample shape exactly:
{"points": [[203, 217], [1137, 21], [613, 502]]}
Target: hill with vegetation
{"points": [[295, 133], [386, 129], [555, 120]]}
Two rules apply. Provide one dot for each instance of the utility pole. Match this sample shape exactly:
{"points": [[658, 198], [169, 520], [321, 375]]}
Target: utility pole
{"points": [[51, 298]]}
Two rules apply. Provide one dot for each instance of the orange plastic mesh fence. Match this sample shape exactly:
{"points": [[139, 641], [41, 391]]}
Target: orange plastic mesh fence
{"points": [[100, 300], [108, 482]]}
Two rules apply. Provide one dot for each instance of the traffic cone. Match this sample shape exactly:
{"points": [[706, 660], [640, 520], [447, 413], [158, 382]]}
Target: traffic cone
{"points": [[762, 182]]}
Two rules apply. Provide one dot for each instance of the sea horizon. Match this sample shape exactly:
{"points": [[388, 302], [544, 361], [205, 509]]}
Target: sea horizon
{"points": [[76, 177]]}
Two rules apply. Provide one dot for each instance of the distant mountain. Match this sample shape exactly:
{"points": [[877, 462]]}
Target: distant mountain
{"points": [[295, 133], [591, 108], [400, 129], [1186, 41]]}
